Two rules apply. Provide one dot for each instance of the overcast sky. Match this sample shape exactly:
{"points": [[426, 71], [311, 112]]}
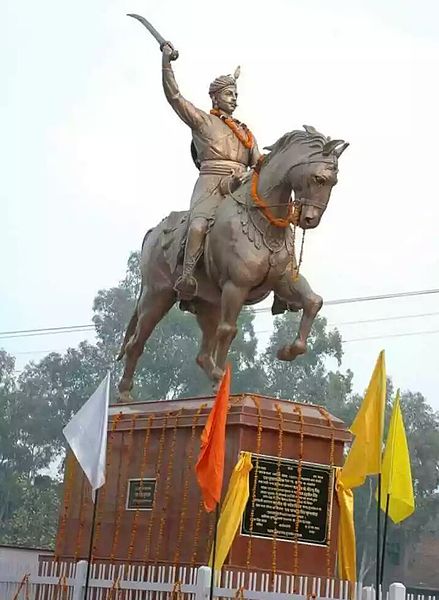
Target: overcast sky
{"points": [[92, 156]]}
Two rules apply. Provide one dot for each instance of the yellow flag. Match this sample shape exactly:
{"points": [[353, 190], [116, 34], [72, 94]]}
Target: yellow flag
{"points": [[233, 508], [364, 457], [346, 553], [396, 477]]}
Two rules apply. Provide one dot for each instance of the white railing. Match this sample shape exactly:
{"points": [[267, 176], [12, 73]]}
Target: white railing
{"points": [[66, 581]]}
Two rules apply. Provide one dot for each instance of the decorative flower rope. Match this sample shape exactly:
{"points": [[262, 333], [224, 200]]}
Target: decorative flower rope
{"points": [[197, 533], [188, 473], [298, 410], [209, 539], [81, 519], [70, 470], [168, 485], [241, 130], [255, 481], [103, 491], [62, 587], [330, 422], [276, 501], [283, 223], [115, 591], [177, 593], [142, 473], [126, 459], [147, 550]]}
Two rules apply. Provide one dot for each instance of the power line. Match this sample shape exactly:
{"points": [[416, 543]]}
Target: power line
{"points": [[391, 335], [90, 326]]}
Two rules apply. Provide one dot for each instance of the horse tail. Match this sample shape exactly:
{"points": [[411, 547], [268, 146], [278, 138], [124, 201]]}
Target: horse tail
{"points": [[134, 318]]}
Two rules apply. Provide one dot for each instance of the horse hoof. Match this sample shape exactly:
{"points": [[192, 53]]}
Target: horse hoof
{"points": [[125, 397], [291, 352], [217, 374], [206, 363]]}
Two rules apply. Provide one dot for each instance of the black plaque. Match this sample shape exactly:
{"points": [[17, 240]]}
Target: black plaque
{"points": [[275, 502], [140, 494]]}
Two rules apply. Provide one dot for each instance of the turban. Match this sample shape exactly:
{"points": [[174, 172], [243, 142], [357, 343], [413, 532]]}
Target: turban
{"points": [[223, 81]]}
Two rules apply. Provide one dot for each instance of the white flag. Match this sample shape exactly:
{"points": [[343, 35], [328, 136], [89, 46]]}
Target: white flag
{"points": [[86, 434]]}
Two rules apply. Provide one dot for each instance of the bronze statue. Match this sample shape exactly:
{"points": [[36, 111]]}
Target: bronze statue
{"points": [[235, 245]]}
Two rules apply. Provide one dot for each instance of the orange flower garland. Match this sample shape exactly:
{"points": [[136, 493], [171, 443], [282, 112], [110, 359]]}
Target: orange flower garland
{"points": [[246, 138], [103, 491], [330, 422], [147, 550], [260, 202], [276, 501], [142, 473], [70, 469], [255, 481], [80, 532], [126, 459], [197, 533], [189, 470], [167, 485], [298, 410]]}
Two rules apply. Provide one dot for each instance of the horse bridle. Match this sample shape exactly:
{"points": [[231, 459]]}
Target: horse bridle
{"points": [[306, 201]]}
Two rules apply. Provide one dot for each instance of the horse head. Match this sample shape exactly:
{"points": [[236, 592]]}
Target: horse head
{"points": [[307, 163]]}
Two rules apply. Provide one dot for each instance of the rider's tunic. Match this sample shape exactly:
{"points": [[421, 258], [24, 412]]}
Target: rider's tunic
{"points": [[219, 151]]}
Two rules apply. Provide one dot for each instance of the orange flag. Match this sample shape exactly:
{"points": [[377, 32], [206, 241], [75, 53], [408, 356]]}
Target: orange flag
{"points": [[210, 465]]}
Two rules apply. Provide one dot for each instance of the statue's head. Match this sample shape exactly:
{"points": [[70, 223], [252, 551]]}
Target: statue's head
{"points": [[223, 92]]}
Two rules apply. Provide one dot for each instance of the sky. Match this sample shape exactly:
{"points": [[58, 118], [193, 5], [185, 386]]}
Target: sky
{"points": [[93, 156]]}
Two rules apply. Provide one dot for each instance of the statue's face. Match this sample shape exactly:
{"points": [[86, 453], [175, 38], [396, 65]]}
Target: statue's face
{"points": [[226, 99]]}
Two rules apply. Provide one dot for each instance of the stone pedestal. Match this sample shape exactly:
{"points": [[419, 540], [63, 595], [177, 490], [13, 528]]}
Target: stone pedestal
{"points": [[150, 511]]}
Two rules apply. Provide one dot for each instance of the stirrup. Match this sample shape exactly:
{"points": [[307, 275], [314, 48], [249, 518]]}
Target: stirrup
{"points": [[186, 286]]}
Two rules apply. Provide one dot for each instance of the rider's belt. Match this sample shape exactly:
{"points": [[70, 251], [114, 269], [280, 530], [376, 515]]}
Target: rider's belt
{"points": [[221, 167]]}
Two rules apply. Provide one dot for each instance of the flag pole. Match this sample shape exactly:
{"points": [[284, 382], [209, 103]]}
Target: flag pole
{"points": [[386, 520], [90, 548], [377, 591], [212, 575]]}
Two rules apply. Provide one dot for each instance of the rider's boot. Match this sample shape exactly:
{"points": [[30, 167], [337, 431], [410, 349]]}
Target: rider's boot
{"points": [[186, 285]]}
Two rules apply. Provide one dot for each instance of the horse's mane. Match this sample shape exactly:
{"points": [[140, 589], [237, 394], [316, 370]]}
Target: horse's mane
{"points": [[310, 137]]}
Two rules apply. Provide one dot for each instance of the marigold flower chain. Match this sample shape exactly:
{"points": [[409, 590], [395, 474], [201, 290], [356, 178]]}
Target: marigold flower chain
{"points": [[142, 473], [147, 549], [70, 469], [188, 473], [103, 491], [126, 459], [241, 130], [168, 484], [276, 501], [298, 410], [330, 422], [255, 480]]}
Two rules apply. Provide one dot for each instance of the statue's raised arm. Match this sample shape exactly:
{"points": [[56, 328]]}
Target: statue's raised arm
{"points": [[192, 116]]}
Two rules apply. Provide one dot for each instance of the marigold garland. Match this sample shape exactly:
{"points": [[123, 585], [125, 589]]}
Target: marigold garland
{"points": [[115, 591], [81, 520], [126, 459], [188, 473], [298, 410], [197, 532], [103, 490], [209, 539], [255, 481], [167, 485], [283, 223], [276, 501], [330, 422], [147, 549], [241, 130], [142, 473], [70, 469]]}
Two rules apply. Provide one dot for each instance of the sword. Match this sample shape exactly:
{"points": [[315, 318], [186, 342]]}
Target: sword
{"points": [[161, 40]]}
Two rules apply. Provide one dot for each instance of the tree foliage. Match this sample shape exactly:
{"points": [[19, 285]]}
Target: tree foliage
{"points": [[36, 405]]}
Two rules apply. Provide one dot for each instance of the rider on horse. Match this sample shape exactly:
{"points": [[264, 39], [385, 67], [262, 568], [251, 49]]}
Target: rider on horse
{"points": [[223, 149]]}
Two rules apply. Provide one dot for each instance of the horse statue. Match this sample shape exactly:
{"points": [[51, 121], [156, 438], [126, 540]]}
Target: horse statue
{"points": [[249, 252]]}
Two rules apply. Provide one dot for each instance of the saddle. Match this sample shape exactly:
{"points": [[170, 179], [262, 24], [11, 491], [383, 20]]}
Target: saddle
{"points": [[174, 238]]}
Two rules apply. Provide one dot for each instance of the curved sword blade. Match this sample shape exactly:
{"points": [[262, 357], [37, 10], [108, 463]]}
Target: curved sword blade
{"points": [[161, 40]]}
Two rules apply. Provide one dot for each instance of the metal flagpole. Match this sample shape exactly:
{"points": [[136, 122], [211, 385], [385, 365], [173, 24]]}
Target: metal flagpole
{"points": [[377, 591], [212, 575], [386, 519], [90, 549]]}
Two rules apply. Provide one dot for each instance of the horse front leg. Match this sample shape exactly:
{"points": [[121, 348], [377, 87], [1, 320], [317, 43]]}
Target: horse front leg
{"points": [[232, 300], [298, 293]]}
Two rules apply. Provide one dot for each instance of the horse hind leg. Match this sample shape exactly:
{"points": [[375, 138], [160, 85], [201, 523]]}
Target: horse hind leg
{"points": [[151, 308], [208, 317]]}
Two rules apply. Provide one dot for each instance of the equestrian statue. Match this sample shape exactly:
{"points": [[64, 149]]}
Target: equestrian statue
{"points": [[236, 244]]}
